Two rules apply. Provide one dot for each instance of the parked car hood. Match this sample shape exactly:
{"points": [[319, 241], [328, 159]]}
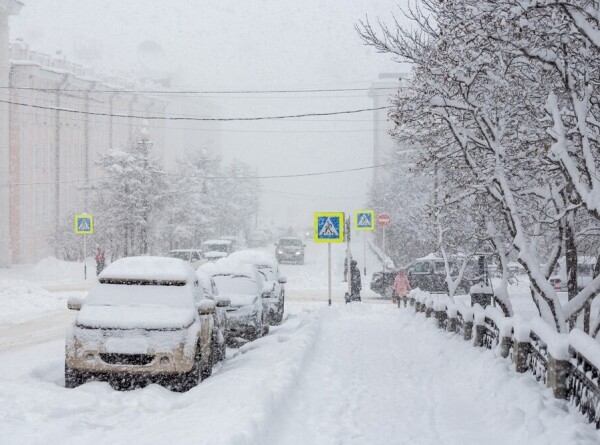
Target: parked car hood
{"points": [[135, 317]]}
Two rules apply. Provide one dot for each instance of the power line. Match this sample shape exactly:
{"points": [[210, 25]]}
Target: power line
{"points": [[297, 175], [226, 92], [203, 119]]}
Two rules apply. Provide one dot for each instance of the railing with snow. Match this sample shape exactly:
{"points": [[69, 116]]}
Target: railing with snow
{"points": [[568, 364]]}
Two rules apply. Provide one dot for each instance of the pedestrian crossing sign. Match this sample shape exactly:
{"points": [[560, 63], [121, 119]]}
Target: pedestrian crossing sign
{"points": [[84, 224], [364, 220], [329, 227]]}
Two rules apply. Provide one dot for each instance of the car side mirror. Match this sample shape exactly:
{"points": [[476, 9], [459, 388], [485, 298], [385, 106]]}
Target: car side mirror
{"points": [[74, 303], [206, 307], [222, 301], [282, 279], [275, 244]]}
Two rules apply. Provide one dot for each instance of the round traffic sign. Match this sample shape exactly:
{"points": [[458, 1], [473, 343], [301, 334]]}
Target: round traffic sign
{"points": [[384, 220]]}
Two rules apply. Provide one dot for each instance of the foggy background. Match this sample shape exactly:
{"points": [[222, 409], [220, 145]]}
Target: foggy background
{"points": [[246, 45]]}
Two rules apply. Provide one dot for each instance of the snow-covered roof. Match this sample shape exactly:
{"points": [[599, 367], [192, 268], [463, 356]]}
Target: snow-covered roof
{"points": [[228, 267], [257, 257], [149, 268], [185, 250]]}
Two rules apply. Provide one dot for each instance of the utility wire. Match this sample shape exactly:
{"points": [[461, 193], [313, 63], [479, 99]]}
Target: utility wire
{"points": [[297, 175], [203, 119], [167, 92]]}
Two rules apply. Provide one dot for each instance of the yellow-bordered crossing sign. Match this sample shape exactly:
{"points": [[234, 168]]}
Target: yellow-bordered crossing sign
{"points": [[84, 224], [329, 227], [364, 220]]}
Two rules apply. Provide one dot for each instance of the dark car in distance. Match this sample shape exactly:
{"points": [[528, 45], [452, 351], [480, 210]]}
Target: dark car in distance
{"points": [[290, 250]]}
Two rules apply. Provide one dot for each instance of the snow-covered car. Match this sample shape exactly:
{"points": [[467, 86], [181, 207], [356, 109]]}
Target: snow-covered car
{"points": [[267, 265], [193, 256], [290, 249], [245, 287], [211, 292], [216, 249], [145, 320], [429, 274]]}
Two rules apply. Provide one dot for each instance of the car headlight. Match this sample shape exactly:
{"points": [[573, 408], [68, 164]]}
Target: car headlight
{"points": [[298, 253], [280, 251]]}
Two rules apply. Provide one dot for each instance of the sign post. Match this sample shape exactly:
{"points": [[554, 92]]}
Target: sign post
{"points": [[329, 228], [364, 220], [84, 225], [384, 221]]}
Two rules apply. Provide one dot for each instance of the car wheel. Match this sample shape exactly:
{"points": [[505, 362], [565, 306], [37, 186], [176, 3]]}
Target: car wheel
{"points": [[185, 381], [206, 368], [278, 317], [73, 378]]}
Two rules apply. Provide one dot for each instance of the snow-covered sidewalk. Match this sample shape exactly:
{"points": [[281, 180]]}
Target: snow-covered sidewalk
{"points": [[380, 375], [355, 374]]}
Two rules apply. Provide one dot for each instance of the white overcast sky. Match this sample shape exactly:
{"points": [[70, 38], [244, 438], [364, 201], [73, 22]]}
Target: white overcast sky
{"points": [[247, 44]]}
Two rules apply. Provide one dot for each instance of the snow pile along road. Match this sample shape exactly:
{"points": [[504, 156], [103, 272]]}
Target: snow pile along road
{"points": [[234, 406], [21, 301]]}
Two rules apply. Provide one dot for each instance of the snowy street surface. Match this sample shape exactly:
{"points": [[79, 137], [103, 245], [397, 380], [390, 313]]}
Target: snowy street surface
{"points": [[365, 373]]}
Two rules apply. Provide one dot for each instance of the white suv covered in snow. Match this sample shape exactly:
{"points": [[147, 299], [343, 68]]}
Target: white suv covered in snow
{"points": [[244, 286], [267, 265], [145, 320]]}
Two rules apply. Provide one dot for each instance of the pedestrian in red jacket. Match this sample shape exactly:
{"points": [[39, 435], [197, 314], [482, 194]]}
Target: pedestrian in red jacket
{"points": [[401, 286]]}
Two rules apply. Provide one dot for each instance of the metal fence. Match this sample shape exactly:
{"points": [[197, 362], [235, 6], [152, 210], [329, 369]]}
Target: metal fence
{"points": [[575, 378]]}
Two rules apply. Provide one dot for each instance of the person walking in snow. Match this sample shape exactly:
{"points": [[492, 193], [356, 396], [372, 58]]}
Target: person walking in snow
{"points": [[355, 282], [100, 260], [401, 286]]}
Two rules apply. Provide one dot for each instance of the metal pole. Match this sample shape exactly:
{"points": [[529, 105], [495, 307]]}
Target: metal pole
{"points": [[384, 254], [365, 252], [84, 255], [329, 270]]}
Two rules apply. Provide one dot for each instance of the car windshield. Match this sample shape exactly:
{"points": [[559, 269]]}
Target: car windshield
{"points": [[235, 284], [185, 256], [290, 242]]}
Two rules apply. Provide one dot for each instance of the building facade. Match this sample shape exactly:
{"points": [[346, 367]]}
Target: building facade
{"points": [[7, 8], [53, 153]]}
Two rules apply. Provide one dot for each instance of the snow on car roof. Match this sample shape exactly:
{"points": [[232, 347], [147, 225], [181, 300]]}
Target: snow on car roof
{"points": [[148, 268], [256, 257], [227, 266]]}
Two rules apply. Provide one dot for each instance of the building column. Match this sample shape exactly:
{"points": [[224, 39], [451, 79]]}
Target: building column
{"points": [[7, 8]]}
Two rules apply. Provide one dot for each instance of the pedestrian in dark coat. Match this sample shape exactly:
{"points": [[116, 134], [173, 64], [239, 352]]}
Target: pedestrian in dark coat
{"points": [[355, 282]]}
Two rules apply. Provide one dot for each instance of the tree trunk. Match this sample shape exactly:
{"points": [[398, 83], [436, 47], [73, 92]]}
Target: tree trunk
{"points": [[571, 261]]}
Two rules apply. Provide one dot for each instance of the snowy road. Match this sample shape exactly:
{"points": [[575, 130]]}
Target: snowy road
{"points": [[347, 374]]}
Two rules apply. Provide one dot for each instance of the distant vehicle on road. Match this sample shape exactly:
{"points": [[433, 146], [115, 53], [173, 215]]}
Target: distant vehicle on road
{"points": [[145, 320], [195, 257], [290, 249], [215, 249], [382, 282]]}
